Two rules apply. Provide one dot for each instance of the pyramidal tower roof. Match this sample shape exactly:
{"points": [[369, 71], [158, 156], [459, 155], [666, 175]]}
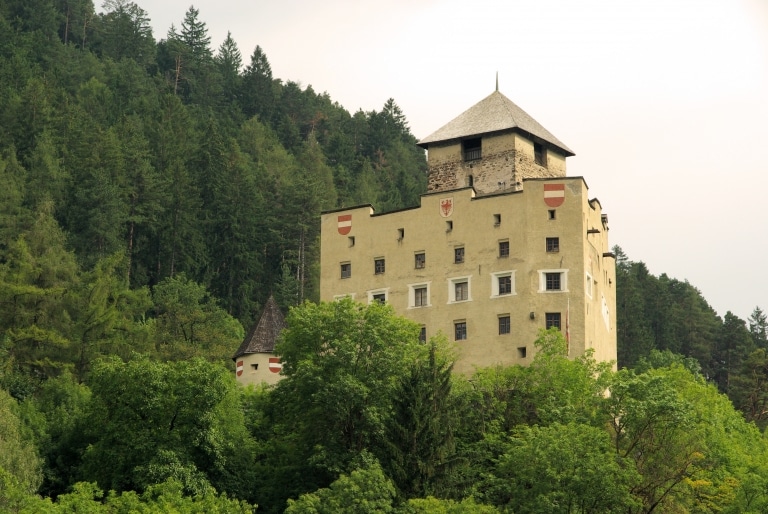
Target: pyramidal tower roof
{"points": [[264, 334], [494, 113]]}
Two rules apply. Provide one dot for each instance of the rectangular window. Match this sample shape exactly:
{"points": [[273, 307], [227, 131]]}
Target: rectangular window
{"points": [[346, 270], [505, 285], [553, 244], [503, 249], [462, 291], [539, 154], [588, 285], [420, 298], [458, 255], [448, 226], [380, 297], [460, 330], [420, 260], [522, 352], [552, 319], [400, 234], [351, 240], [551, 214], [378, 266], [496, 220], [472, 149], [423, 335], [504, 327], [552, 281]]}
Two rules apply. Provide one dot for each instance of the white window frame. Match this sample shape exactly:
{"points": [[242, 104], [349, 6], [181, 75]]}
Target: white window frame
{"points": [[412, 295], [543, 280], [452, 288], [373, 292], [495, 283]]}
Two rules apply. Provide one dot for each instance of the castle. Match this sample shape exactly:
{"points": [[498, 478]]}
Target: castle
{"points": [[502, 244]]}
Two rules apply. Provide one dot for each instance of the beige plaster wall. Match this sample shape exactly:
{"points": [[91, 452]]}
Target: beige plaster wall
{"points": [[478, 224]]}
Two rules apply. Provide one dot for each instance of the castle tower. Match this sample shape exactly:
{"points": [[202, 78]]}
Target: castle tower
{"points": [[492, 146], [255, 360]]}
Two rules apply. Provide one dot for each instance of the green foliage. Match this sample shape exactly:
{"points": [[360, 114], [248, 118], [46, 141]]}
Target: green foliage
{"points": [[190, 324], [20, 465], [363, 491], [151, 421], [560, 468], [342, 363]]}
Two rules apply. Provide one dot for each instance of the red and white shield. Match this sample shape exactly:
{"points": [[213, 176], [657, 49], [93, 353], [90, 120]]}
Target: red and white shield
{"points": [[275, 365], [446, 207], [239, 368], [554, 194], [345, 224]]}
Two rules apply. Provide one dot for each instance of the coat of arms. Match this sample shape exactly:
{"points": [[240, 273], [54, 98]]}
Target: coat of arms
{"points": [[345, 224], [554, 194], [446, 207]]}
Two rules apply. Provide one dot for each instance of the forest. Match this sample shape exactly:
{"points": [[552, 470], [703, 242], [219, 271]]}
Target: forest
{"points": [[155, 190]]}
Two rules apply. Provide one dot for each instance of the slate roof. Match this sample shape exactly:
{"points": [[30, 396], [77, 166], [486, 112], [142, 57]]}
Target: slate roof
{"points": [[264, 333], [494, 113]]}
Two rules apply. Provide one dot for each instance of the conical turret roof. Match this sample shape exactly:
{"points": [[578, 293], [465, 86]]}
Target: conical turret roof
{"points": [[264, 334], [494, 113]]}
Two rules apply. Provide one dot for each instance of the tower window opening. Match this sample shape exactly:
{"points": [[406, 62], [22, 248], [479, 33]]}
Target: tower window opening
{"points": [[472, 149], [539, 154]]}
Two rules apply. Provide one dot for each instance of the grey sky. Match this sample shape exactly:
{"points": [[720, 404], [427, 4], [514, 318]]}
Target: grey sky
{"points": [[664, 102]]}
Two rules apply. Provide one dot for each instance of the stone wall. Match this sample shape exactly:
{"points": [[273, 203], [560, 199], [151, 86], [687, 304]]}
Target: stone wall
{"points": [[502, 170]]}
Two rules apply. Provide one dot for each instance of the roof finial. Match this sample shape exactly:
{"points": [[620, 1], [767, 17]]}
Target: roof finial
{"points": [[497, 81]]}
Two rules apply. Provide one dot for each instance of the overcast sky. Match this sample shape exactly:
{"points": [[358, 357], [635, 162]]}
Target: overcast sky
{"points": [[664, 102]]}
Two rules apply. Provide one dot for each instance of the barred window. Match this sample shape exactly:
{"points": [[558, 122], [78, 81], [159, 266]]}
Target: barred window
{"points": [[346, 270], [420, 260], [552, 319], [553, 281], [378, 266], [460, 330], [503, 249], [504, 326], [553, 244]]}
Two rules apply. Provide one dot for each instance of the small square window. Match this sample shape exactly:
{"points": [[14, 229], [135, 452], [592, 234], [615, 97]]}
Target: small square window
{"points": [[378, 266], [553, 244], [522, 352], [551, 214], [504, 327], [346, 270], [351, 240], [552, 281], [503, 249], [461, 291], [552, 319], [460, 330], [505, 285], [458, 255], [496, 220], [255, 366], [423, 335], [420, 260], [379, 297]]}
